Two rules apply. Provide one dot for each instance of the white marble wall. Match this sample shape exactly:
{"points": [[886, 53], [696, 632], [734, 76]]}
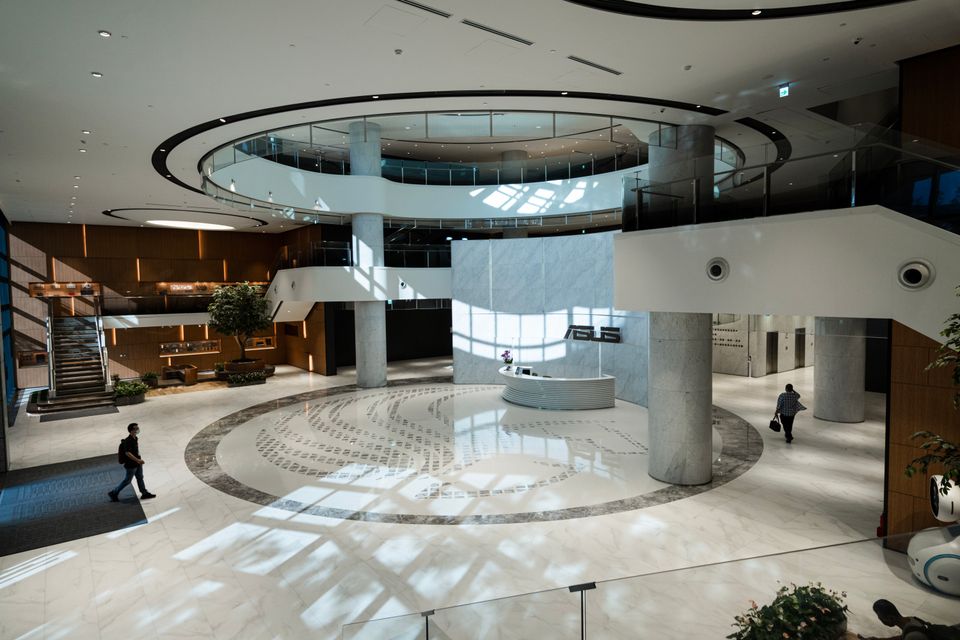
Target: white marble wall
{"points": [[521, 294]]}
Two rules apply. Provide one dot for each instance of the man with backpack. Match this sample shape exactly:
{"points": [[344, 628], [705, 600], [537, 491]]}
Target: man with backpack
{"points": [[129, 456]]}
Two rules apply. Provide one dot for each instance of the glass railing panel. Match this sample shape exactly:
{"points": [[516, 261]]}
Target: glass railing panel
{"points": [[406, 627], [330, 133], [534, 172], [463, 175], [581, 167], [402, 126], [488, 174], [551, 614], [438, 176], [456, 125], [223, 157], [522, 125], [809, 184]]}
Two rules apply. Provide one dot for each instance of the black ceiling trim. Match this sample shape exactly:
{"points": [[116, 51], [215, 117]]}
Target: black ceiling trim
{"points": [[643, 10], [780, 141], [426, 8], [159, 156], [112, 213]]}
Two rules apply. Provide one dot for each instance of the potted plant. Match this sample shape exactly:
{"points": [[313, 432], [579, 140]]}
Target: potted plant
{"points": [[114, 378], [507, 358], [129, 392], [150, 378], [239, 311], [809, 612]]}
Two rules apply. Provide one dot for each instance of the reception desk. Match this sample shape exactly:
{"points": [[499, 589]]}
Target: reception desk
{"points": [[558, 393]]}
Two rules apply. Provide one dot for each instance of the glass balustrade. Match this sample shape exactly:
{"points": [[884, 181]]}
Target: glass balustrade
{"points": [[695, 602]]}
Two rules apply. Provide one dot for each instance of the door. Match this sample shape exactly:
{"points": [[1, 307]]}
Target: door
{"points": [[800, 348], [773, 350]]}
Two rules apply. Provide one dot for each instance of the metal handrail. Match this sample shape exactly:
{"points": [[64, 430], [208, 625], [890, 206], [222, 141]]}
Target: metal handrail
{"points": [[51, 355], [101, 340]]}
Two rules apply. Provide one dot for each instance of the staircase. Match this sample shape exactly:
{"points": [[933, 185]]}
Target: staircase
{"points": [[77, 368]]}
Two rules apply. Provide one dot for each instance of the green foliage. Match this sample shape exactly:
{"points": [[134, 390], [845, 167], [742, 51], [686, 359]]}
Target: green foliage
{"points": [[938, 451], [809, 612], [127, 388], [149, 375], [218, 367], [247, 378], [948, 355], [239, 311]]}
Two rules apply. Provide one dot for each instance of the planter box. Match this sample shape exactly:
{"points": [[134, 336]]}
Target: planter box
{"points": [[244, 367], [125, 400], [246, 384]]}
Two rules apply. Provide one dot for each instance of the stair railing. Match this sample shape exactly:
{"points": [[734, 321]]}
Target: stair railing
{"points": [[101, 342], [51, 355]]}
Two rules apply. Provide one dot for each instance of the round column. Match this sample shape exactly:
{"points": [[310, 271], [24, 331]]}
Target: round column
{"points": [[512, 162], [370, 318], [677, 157], [680, 398], [839, 369]]}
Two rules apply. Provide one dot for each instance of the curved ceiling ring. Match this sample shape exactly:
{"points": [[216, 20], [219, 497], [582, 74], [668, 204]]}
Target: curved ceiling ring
{"points": [[660, 12], [164, 149], [112, 213]]}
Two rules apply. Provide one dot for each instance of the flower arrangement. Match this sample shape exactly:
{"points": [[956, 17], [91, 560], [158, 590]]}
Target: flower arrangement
{"points": [[809, 612], [507, 357]]}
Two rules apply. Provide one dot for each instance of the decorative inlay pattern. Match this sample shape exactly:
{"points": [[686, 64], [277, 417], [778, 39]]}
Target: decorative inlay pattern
{"points": [[347, 435]]}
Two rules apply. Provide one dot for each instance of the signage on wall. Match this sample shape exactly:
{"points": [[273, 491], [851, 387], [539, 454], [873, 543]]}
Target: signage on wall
{"points": [[589, 333]]}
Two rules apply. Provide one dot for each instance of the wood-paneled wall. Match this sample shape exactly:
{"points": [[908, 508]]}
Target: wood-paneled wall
{"points": [[920, 400], [308, 343], [930, 96], [129, 261]]}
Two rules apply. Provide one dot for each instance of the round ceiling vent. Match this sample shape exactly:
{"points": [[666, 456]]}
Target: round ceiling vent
{"points": [[915, 274]]}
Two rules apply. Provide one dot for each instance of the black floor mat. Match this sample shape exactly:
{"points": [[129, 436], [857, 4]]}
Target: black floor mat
{"points": [[41, 506], [79, 413]]}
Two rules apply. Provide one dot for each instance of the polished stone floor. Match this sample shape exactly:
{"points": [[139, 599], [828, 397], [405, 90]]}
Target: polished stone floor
{"points": [[210, 563]]}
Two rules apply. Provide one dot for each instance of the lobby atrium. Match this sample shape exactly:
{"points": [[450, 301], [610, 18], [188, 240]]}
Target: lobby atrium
{"points": [[467, 320]]}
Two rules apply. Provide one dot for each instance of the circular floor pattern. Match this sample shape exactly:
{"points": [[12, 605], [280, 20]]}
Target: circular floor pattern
{"points": [[425, 451]]}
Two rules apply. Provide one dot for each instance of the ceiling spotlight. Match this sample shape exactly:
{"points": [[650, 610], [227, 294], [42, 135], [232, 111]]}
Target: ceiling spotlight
{"points": [[76, 186], [85, 132], [223, 119], [82, 150], [563, 93], [163, 150], [756, 12], [104, 34], [375, 97], [76, 177], [96, 74]]}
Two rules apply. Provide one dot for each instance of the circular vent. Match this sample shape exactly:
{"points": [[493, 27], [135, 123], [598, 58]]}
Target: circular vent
{"points": [[717, 269], [915, 274]]}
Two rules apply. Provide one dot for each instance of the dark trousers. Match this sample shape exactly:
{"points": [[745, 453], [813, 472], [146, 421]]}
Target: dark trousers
{"points": [[138, 472], [787, 422]]}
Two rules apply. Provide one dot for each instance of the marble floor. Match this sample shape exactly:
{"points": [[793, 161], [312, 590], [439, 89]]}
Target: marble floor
{"points": [[217, 564]]}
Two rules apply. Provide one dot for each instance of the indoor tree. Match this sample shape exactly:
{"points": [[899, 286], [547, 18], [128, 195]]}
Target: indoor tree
{"points": [[240, 311]]}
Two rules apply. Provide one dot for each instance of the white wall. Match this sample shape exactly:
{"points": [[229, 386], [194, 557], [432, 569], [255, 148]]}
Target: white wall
{"points": [[358, 284], [365, 194], [840, 263]]}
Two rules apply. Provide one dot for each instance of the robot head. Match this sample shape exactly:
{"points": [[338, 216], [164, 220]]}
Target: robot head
{"points": [[946, 508]]}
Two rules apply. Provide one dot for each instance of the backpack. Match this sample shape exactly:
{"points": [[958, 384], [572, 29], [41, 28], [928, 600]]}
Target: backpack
{"points": [[122, 453]]}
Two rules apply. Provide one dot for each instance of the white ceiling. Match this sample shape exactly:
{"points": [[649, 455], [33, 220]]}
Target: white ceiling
{"points": [[171, 65]]}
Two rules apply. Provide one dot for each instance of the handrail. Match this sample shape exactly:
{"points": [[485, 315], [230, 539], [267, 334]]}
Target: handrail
{"points": [[51, 355], [101, 340]]}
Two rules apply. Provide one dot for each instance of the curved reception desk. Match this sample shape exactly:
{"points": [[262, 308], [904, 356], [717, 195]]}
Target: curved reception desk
{"points": [[558, 393]]}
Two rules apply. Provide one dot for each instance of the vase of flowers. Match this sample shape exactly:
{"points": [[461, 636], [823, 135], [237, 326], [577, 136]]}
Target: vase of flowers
{"points": [[809, 612], [507, 358]]}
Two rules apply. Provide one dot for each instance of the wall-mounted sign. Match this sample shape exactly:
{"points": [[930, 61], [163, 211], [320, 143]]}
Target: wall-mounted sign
{"points": [[64, 289], [198, 288], [189, 348], [589, 333]]}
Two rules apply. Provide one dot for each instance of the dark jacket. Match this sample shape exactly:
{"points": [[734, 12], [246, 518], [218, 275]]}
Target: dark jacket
{"points": [[130, 445]]}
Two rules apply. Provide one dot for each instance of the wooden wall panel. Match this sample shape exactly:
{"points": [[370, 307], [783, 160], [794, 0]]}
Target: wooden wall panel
{"points": [[930, 96], [299, 349], [919, 401]]}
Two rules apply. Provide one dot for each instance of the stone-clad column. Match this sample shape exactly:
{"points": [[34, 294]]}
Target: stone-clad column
{"points": [[839, 369], [678, 156], [681, 397], [370, 318]]}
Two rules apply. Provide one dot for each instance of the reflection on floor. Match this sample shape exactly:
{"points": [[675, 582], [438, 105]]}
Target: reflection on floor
{"points": [[209, 564]]}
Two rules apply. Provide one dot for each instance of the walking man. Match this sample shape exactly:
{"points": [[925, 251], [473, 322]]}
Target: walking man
{"points": [[132, 463], [788, 406]]}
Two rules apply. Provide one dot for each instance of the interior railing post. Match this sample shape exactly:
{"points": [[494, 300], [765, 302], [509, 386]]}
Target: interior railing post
{"points": [[582, 589], [853, 178], [426, 623], [766, 191], [695, 183]]}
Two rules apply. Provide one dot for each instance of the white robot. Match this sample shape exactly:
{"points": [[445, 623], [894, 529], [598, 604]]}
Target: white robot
{"points": [[934, 554]]}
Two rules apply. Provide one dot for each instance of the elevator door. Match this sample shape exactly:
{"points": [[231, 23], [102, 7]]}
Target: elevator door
{"points": [[800, 348], [773, 350]]}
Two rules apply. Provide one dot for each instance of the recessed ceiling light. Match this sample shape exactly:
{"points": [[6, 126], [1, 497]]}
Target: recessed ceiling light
{"points": [[85, 132], [189, 224], [82, 150], [756, 13], [76, 186], [76, 177], [375, 97], [104, 34], [96, 74], [163, 150], [563, 93]]}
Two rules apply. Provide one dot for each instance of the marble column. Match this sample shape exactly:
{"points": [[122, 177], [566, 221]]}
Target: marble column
{"points": [[839, 369], [370, 318], [679, 156], [680, 384]]}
